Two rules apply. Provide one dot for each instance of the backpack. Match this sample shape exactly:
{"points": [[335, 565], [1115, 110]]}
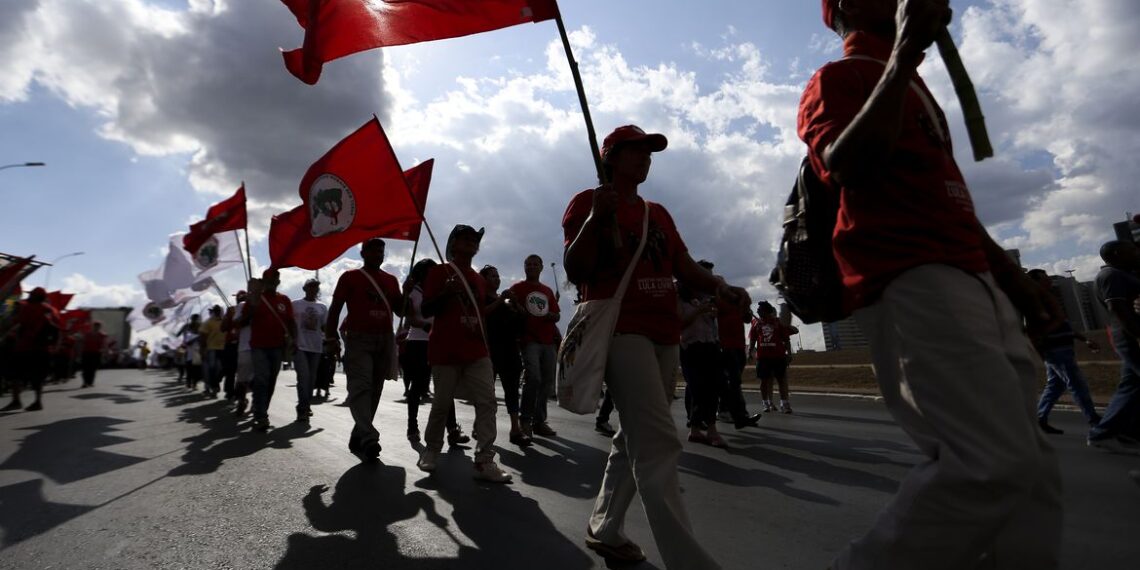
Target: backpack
{"points": [[806, 274]]}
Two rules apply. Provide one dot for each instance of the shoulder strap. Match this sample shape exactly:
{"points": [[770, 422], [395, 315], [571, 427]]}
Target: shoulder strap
{"points": [[273, 312], [376, 285], [471, 295], [620, 293], [922, 96]]}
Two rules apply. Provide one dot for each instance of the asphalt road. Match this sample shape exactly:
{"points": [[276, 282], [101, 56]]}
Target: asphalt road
{"points": [[137, 472]]}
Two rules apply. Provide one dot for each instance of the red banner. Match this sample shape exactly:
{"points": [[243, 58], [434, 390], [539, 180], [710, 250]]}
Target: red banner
{"points": [[227, 215]]}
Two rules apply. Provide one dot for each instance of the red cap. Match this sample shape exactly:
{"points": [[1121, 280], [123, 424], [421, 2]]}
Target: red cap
{"points": [[632, 133], [829, 8]]}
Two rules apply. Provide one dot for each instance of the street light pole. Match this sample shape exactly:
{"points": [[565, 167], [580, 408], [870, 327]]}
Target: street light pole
{"points": [[47, 274], [22, 164]]}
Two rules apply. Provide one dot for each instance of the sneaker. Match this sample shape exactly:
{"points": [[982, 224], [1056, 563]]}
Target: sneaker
{"points": [[490, 471], [785, 408], [526, 429], [427, 460], [1045, 427], [747, 421], [544, 430], [604, 428], [767, 407], [414, 434], [624, 553], [261, 425], [457, 437], [1115, 445], [15, 405], [520, 439], [35, 407]]}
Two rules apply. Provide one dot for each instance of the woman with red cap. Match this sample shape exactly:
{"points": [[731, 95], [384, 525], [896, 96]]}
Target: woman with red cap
{"points": [[605, 228]]}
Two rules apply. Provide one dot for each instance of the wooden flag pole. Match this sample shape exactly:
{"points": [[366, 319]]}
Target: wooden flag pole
{"points": [[244, 267], [967, 97], [590, 133]]}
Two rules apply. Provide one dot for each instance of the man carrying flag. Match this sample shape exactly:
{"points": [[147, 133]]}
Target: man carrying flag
{"points": [[269, 315], [373, 296], [227, 215]]}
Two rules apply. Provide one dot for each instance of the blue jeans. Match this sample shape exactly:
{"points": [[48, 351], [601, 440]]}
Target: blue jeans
{"points": [[212, 369], [306, 364], [540, 363], [1061, 371], [1122, 415], [266, 365]]}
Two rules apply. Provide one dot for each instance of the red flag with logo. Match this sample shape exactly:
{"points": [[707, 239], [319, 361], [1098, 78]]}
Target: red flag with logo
{"points": [[59, 299], [227, 215], [336, 28], [354, 192]]}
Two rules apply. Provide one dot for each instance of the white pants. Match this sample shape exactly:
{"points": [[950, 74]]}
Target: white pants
{"points": [[639, 377], [960, 377]]}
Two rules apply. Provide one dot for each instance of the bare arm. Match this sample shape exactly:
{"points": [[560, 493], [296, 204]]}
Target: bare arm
{"points": [[333, 320]]}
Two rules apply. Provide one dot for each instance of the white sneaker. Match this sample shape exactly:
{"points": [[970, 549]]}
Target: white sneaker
{"points": [[427, 460], [490, 471]]}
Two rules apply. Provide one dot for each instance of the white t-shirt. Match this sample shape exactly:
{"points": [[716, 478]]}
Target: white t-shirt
{"points": [[415, 302], [310, 317], [243, 332]]}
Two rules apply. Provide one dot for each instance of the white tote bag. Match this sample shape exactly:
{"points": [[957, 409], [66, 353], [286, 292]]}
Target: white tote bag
{"points": [[582, 357]]}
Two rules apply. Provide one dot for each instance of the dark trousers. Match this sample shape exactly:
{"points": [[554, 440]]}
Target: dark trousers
{"points": [[229, 368], [1122, 415], [417, 372], [508, 367], [90, 363], [732, 395], [607, 408], [701, 366]]}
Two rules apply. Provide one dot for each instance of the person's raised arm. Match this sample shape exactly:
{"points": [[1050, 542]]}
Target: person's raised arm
{"points": [[870, 138]]}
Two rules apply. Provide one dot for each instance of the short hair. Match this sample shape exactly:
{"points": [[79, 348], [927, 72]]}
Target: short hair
{"points": [[706, 264], [765, 307], [373, 242], [489, 268], [1110, 251], [533, 256], [1037, 273]]}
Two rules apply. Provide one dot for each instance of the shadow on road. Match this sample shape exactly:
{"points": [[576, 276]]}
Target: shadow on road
{"points": [[223, 438], [115, 398], [25, 513], [68, 450], [575, 470], [724, 473]]}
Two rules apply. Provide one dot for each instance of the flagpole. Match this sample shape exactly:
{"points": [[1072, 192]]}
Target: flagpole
{"points": [[557, 285], [248, 255], [602, 178], [221, 294], [244, 267], [411, 264]]}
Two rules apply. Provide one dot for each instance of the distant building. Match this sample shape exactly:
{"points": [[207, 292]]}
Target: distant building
{"points": [[1079, 301], [843, 335], [1015, 255], [1127, 230]]}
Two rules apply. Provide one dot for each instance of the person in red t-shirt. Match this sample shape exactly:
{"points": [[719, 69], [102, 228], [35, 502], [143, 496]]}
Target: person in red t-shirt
{"points": [[769, 340], [538, 347], [734, 355], [34, 330], [94, 346], [938, 300], [373, 298], [269, 315], [454, 296], [602, 229]]}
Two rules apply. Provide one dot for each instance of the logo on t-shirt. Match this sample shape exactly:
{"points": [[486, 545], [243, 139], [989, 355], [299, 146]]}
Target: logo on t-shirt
{"points": [[331, 205], [537, 304], [207, 255]]}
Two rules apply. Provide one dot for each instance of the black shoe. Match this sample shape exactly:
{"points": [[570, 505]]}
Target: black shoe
{"points": [[302, 418], [747, 421], [261, 425], [1045, 427], [457, 437], [14, 406], [604, 427], [35, 407], [520, 439]]}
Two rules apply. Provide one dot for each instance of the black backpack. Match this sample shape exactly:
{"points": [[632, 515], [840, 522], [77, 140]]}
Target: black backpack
{"points": [[806, 274]]}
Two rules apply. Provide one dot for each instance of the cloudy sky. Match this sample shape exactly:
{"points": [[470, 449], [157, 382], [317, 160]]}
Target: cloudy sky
{"points": [[147, 111]]}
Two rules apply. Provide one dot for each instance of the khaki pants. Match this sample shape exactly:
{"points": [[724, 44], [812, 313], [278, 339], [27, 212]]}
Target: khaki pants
{"points": [[367, 361], [959, 376], [476, 381], [643, 459]]}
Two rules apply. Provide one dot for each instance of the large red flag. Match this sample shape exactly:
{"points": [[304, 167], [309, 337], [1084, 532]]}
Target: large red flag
{"points": [[229, 214], [13, 272], [336, 28], [354, 192], [59, 299]]}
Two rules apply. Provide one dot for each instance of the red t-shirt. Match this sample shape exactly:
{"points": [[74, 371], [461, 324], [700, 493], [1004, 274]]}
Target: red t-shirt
{"points": [[456, 336], [266, 330], [918, 209], [32, 318], [94, 341], [649, 307], [730, 326], [771, 338], [538, 299], [367, 312]]}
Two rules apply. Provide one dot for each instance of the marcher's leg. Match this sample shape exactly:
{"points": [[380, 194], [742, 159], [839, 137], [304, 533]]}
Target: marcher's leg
{"points": [[445, 379], [1121, 414], [532, 378], [262, 362], [940, 343], [1080, 390], [1054, 387], [479, 379], [358, 367], [547, 367], [639, 375]]}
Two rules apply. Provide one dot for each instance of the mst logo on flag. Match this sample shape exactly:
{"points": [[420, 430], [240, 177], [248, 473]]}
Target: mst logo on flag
{"points": [[536, 304], [207, 255], [332, 205], [152, 312]]}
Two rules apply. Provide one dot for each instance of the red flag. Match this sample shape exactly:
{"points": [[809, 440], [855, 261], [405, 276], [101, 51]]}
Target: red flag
{"points": [[12, 273], [229, 214], [354, 192], [59, 299], [419, 178], [336, 28], [78, 320]]}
